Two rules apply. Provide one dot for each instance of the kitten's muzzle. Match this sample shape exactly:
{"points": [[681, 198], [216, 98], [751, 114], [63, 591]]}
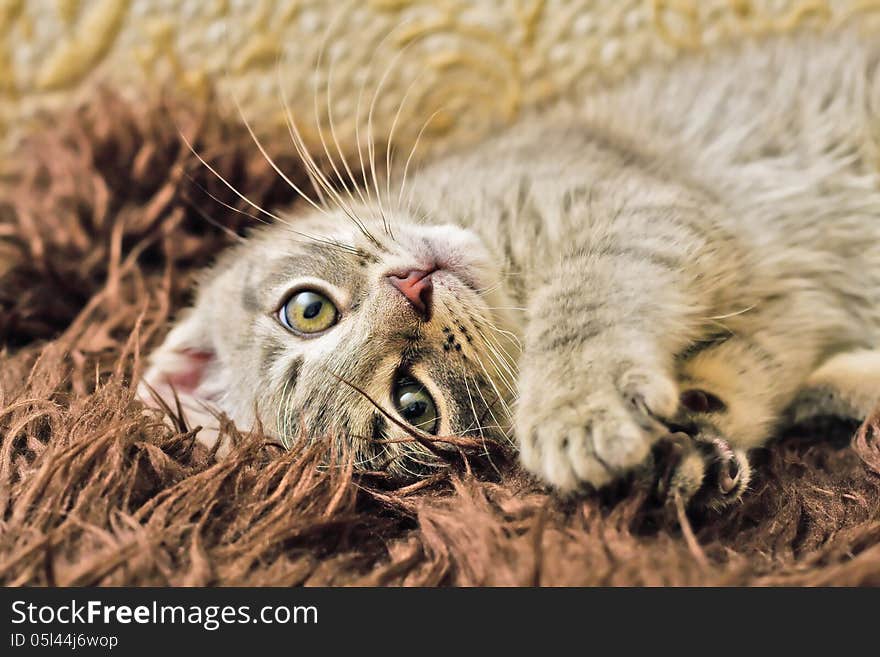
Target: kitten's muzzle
{"points": [[416, 286]]}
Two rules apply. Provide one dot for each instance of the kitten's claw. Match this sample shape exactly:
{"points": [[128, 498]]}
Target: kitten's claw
{"points": [[729, 475]]}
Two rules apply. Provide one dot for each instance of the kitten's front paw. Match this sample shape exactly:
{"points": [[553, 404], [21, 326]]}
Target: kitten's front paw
{"points": [[592, 435]]}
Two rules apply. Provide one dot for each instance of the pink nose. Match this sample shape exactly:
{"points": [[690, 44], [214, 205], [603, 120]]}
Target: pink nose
{"points": [[417, 287]]}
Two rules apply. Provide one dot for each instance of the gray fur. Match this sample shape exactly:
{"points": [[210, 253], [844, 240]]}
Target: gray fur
{"points": [[715, 226]]}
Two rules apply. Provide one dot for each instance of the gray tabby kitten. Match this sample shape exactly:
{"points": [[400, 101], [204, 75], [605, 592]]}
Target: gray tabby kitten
{"points": [[697, 250]]}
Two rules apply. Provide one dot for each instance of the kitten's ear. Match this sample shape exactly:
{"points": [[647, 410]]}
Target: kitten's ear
{"points": [[185, 370]]}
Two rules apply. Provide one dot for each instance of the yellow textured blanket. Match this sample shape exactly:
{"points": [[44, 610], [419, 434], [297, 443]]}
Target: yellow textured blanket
{"points": [[473, 63]]}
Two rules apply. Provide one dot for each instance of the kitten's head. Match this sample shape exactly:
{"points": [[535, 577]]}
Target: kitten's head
{"points": [[319, 327]]}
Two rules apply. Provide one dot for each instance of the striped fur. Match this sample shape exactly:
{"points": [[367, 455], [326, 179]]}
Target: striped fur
{"points": [[714, 225]]}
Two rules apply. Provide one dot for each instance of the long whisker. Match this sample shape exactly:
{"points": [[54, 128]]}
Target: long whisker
{"points": [[228, 184], [390, 140], [311, 238], [412, 153], [228, 206], [510, 335], [271, 162], [259, 145], [284, 429], [206, 217], [357, 115], [498, 398], [344, 206], [491, 381], [503, 369], [502, 362], [371, 146], [222, 179], [497, 343], [319, 177], [478, 427], [335, 138], [299, 144], [471, 402], [734, 314], [315, 173]]}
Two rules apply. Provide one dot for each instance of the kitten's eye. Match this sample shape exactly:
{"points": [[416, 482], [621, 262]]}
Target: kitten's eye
{"points": [[415, 404], [308, 312]]}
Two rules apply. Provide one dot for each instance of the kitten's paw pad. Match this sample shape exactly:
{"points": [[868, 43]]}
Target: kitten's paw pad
{"points": [[703, 470], [575, 441]]}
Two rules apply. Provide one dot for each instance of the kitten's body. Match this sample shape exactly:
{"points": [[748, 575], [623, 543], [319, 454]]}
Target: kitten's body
{"points": [[715, 226]]}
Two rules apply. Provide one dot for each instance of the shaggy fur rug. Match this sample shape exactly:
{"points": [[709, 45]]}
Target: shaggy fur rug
{"points": [[104, 218]]}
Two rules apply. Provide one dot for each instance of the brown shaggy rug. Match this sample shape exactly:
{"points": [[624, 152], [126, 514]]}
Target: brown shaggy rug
{"points": [[104, 217]]}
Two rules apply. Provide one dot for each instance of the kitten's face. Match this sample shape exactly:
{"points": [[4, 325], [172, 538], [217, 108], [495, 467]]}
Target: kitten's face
{"points": [[368, 338]]}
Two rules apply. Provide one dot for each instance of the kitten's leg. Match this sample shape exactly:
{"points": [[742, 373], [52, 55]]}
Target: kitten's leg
{"points": [[734, 396], [737, 394], [597, 372], [845, 387]]}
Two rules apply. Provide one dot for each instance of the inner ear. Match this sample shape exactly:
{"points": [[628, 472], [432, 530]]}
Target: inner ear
{"points": [[188, 370], [183, 369], [179, 378]]}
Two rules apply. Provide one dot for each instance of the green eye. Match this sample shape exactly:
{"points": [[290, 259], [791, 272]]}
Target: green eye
{"points": [[308, 312], [415, 404]]}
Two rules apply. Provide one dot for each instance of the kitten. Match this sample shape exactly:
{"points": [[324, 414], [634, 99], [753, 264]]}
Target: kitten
{"points": [[696, 250]]}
